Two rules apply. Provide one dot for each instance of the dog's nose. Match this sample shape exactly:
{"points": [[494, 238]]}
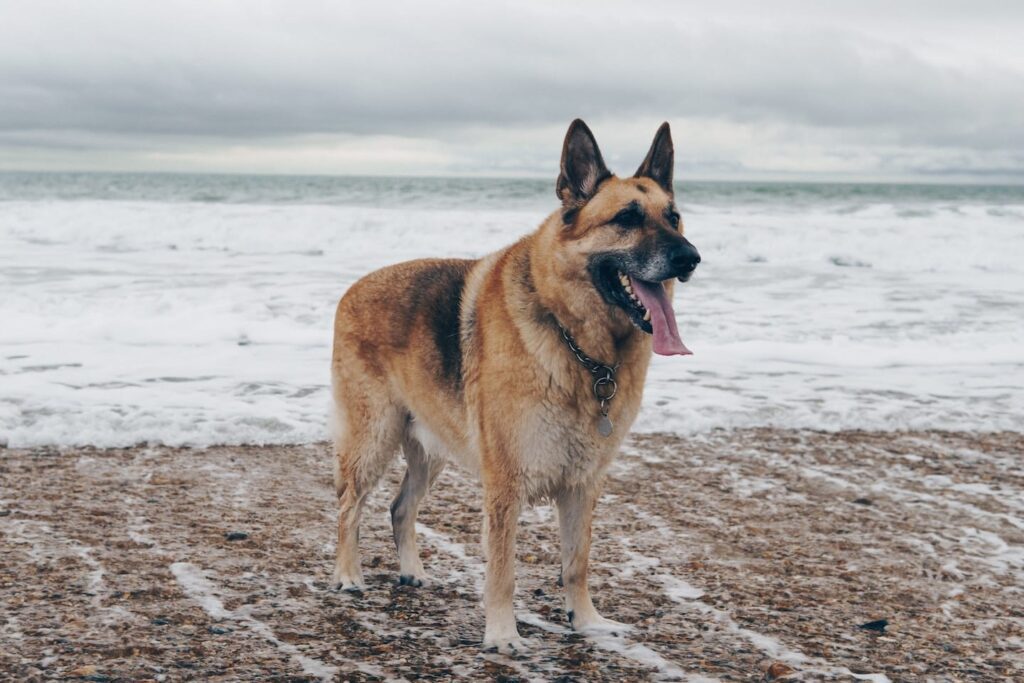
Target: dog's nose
{"points": [[684, 258]]}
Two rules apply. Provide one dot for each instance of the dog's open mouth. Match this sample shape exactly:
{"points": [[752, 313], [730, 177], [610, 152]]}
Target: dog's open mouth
{"points": [[649, 308]]}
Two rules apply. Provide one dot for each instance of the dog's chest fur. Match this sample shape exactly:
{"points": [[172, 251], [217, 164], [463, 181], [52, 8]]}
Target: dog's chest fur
{"points": [[537, 393], [562, 449]]}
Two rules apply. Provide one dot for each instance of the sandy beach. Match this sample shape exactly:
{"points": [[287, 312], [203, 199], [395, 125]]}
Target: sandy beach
{"points": [[742, 555]]}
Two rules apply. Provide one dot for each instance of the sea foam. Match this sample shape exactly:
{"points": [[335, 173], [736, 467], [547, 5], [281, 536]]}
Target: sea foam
{"points": [[199, 323]]}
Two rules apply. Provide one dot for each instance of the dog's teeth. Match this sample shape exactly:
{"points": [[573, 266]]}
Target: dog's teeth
{"points": [[630, 290], [623, 279], [647, 316]]}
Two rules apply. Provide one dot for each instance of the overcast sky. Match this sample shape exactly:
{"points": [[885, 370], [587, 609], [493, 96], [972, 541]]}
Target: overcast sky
{"points": [[860, 90]]}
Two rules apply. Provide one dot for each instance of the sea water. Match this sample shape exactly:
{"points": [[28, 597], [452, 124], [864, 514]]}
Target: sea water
{"points": [[188, 309]]}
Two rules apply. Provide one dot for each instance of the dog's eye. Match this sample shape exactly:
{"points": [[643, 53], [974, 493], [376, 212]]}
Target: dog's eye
{"points": [[673, 219], [630, 217]]}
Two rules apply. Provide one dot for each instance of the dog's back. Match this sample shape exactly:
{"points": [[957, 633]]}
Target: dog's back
{"points": [[397, 347], [403, 311]]}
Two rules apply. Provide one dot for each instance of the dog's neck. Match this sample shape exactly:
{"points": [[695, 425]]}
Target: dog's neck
{"points": [[601, 331]]}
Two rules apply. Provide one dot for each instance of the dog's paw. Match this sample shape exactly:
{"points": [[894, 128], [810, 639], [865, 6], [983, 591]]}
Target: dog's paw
{"points": [[507, 646], [411, 580], [349, 583], [350, 587], [596, 625], [505, 640]]}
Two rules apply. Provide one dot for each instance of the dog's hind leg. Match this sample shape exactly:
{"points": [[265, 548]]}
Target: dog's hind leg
{"points": [[421, 471], [364, 448]]}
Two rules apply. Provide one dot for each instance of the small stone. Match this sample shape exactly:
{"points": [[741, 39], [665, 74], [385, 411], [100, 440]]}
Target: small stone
{"points": [[236, 535], [877, 626], [82, 671], [778, 671]]}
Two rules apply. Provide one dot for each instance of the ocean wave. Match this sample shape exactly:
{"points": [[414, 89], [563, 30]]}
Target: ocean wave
{"points": [[201, 323]]}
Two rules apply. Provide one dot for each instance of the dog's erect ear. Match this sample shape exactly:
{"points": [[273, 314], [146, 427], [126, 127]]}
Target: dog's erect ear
{"points": [[660, 159], [582, 167]]}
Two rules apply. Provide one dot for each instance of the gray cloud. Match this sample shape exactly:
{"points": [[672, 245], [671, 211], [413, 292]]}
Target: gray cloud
{"points": [[917, 84]]}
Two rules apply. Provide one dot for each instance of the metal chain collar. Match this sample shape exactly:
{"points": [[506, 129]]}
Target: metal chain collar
{"points": [[605, 387]]}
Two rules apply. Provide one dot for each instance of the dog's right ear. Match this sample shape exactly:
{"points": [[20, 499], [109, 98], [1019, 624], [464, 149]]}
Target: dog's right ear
{"points": [[660, 160], [582, 168]]}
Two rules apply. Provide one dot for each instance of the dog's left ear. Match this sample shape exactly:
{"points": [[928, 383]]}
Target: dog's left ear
{"points": [[660, 160], [582, 169]]}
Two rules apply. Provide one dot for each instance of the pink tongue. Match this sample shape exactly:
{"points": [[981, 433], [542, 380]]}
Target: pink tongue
{"points": [[663, 319]]}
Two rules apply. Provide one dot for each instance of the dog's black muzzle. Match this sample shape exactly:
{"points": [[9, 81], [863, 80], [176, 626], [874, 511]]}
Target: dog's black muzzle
{"points": [[663, 257], [683, 258], [666, 256]]}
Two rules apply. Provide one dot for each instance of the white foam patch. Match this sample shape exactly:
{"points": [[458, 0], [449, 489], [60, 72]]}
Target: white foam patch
{"points": [[45, 543], [197, 586], [990, 549], [200, 324]]}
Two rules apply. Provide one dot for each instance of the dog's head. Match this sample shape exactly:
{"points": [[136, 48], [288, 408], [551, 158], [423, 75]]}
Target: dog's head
{"points": [[626, 235]]}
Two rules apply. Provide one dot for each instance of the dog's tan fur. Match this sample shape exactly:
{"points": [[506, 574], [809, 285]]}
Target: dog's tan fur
{"points": [[464, 359]]}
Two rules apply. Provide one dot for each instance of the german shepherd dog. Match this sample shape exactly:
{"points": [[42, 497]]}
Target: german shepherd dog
{"points": [[526, 366]]}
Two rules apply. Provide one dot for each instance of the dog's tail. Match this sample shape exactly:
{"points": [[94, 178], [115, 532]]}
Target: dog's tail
{"points": [[336, 427]]}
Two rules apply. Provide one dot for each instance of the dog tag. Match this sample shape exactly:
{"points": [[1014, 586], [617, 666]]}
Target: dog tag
{"points": [[604, 426]]}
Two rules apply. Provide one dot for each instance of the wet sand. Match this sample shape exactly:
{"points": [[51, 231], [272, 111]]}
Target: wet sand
{"points": [[738, 556]]}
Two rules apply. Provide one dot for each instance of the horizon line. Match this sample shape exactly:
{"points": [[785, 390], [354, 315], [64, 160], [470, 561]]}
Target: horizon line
{"points": [[938, 180]]}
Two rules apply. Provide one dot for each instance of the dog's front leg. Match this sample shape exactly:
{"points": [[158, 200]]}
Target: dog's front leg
{"points": [[575, 512], [502, 503]]}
